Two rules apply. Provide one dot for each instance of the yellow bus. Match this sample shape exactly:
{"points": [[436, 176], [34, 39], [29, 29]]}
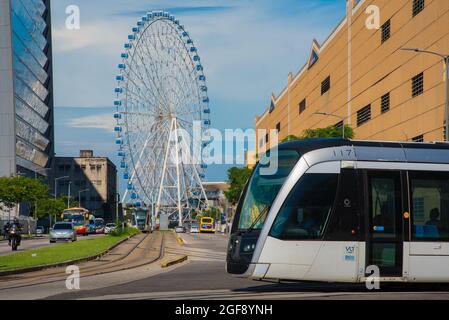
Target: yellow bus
{"points": [[207, 225]]}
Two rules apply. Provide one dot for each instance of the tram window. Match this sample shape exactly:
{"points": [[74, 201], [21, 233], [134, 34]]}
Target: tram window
{"points": [[306, 210], [263, 189], [384, 207], [430, 206]]}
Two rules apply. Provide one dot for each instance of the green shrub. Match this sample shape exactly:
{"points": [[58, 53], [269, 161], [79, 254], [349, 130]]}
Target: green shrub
{"points": [[127, 231]]}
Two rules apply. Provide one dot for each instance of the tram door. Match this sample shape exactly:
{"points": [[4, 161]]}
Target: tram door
{"points": [[384, 222]]}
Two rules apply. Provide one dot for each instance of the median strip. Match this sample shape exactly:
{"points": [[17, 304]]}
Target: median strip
{"points": [[179, 238], [172, 261], [61, 254]]}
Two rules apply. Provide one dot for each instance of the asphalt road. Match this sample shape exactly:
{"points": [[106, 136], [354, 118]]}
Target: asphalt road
{"points": [[33, 243], [203, 276]]}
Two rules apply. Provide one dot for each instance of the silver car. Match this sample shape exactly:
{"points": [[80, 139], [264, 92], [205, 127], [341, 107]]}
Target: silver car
{"points": [[62, 231]]}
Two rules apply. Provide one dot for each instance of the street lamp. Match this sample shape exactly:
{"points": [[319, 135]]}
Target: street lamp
{"points": [[336, 116], [69, 195], [446, 79], [56, 189], [79, 195]]}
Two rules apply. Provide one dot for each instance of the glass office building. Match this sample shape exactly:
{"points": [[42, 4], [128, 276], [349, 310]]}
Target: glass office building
{"points": [[26, 100]]}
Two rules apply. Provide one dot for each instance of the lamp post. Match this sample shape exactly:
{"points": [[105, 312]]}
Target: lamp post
{"points": [[35, 177], [69, 195], [56, 189], [446, 80], [79, 195], [336, 116], [117, 200]]}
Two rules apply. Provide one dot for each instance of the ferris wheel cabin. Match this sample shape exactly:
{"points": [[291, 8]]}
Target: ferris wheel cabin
{"points": [[337, 210]]}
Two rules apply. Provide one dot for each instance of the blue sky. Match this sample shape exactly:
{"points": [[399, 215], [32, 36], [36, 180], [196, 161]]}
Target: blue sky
{"points": [[247, 47]]}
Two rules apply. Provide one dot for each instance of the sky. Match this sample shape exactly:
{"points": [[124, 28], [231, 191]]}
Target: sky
{"points": [[247, 48]]}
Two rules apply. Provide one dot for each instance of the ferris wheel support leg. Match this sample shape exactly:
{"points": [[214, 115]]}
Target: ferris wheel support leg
{"points": [[164, 168], [178, 183], [197, 176]]}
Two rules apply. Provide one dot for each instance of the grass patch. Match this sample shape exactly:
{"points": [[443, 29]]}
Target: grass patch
{"points": [[62, 252]]}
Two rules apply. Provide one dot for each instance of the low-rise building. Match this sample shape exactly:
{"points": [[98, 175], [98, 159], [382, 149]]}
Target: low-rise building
{"points": [[91, 180]]}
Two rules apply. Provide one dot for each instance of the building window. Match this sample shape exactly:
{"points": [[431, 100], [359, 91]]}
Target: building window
{"points": [[326, 85], [278, 127], [83, 167], [444, 131], [302, 106], [418, 6], [386, 31], [364, 115], [267, 137], [385, 103], [418, 85], [260, 143], [419, 138]]}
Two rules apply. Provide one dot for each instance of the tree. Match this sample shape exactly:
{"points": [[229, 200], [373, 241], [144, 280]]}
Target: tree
{"points": [[328, 132], [210, 213], [237, 178], [14, 190], [50, 206], [290, 137]]}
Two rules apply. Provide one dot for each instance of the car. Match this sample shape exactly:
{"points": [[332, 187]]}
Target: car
{"points": [[109, 227], [62, 231], [194, 229], [180, 229], [39, 231]]}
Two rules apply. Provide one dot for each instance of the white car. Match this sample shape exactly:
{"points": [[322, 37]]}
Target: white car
{"points": [[179, 229], [62, 231], [39, 231], [109, 227], [194, 229]]}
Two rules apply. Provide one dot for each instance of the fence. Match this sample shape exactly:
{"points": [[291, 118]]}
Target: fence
{"points": [[29, 224]]}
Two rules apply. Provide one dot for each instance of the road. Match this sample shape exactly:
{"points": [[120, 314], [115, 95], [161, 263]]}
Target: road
{"points": [[202, 276], [33, 243]]}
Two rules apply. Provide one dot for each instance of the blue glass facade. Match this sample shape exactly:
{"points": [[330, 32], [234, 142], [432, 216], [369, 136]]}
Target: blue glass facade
{"points": [[32, 83]]}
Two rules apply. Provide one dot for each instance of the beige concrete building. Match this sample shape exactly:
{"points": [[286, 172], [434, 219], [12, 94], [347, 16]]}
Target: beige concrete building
{"points": [[361, 75], [93, 181]]}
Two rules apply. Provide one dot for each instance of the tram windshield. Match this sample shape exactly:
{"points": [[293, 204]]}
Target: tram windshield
{"points": [[264, 187]]}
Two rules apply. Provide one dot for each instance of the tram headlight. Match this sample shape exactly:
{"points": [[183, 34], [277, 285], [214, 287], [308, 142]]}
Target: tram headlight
{"points": [[248, 245]]}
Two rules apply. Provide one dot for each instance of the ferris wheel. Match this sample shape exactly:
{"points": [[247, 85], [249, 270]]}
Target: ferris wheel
{"points": [[162, 115]]}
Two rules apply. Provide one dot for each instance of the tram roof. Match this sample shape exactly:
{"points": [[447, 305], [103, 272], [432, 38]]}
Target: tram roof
{"points": [[437, 152]]}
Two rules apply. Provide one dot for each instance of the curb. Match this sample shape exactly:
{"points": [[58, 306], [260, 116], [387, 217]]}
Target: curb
{"points": [[174, 261], [65, 263], [179, 238]]}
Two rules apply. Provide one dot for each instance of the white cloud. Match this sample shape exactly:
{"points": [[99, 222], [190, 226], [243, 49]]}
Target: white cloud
{"points": [[99, 35], [100, 121]]}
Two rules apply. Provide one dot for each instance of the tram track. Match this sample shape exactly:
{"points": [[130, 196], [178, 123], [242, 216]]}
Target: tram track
{"points": [[144, 252]]}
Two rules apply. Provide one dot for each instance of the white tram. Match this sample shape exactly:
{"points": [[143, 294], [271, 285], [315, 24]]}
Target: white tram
{"points": [[334, 207]]}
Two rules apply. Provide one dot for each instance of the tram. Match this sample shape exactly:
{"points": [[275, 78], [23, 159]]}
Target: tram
{"points": [[335, 209]]}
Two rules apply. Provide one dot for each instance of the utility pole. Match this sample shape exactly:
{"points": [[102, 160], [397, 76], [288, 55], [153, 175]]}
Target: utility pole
{"points": [[68, 195], [56, 191]]}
